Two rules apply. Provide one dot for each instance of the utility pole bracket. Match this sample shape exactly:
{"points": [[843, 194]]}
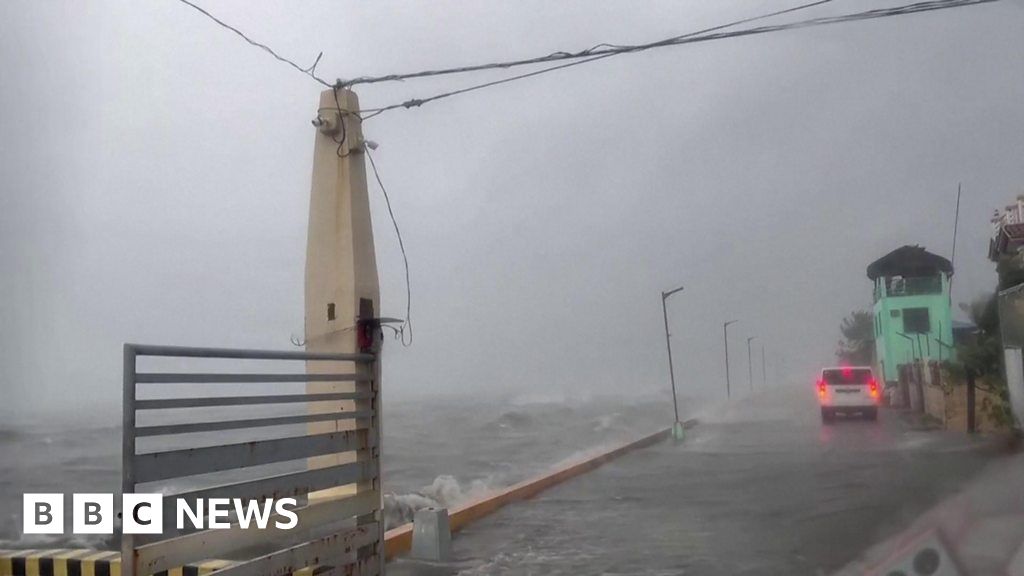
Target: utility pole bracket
{"points": [[328, 122]]}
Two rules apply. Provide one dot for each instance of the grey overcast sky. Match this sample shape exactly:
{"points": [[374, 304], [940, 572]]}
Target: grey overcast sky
{"points": [[154, 179]]}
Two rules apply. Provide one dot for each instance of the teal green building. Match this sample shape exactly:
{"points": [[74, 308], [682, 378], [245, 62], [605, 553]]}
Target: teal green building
{"points": [[913, 318]]}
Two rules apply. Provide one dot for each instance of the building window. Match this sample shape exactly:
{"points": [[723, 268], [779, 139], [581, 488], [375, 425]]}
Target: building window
{"points": [[916, 320]]}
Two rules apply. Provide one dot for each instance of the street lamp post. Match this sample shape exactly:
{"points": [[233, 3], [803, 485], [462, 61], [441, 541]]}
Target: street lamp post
{"points": [[764, 372], [750, 364], [725, 335], [677, 427]]}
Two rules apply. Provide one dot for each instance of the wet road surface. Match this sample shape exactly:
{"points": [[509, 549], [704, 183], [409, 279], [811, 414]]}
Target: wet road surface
{"points": [[760, 487]]}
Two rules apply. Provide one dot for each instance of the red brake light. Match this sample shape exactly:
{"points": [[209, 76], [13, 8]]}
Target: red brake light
{"points": [[821, 387], [874, 387]]}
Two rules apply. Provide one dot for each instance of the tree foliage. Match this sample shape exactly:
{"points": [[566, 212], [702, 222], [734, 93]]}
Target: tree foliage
{"points": [[858, 344], [983, 353]]}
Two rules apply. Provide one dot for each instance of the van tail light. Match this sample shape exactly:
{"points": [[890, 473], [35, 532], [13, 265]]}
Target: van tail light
{"points": [[821, 388], [873, 385]]}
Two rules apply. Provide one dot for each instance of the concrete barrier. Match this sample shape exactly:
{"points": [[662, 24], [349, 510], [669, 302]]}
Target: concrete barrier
{"points": [[949, 406], [62, 562], [85, 562], [399, 540]]}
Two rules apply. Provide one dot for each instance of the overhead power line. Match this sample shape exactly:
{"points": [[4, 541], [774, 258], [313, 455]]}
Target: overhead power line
{"points": [[611, 49], [310, 71], [593, 53], [599, 49], [606, 52], [593, 56]]}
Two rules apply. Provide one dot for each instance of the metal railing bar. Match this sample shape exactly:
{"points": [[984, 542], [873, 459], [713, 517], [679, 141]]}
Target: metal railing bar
{"points": [[340, 494], [168, 429], [167, 403], [128, 446], [208, 378], [288, 485], [154, 466], [337, 550], [243, 354], [181, 550]]}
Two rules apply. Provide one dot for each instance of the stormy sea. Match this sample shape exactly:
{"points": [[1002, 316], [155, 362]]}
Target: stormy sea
{"points": [[439, 452]]}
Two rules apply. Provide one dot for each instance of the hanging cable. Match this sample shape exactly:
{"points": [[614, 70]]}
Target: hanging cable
{"points": [[407, 325], [603, 48], [417, 102], [606, 48], [700, 36], [310, 71], [340, 140], [593, 53], [558, 55]]}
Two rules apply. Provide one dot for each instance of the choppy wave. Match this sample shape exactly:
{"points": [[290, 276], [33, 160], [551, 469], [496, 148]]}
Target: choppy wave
{"points": [[437, 454], [513, 419], [9, 436], [444, 492]]}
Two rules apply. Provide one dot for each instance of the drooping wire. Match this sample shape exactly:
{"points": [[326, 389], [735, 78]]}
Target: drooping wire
{"points": [[310, 71], [400, 333], [405, 260], [417, 102], [591, 54], [557, 55], [701, 36], [598, 49], [597, 52], [340, 141]]}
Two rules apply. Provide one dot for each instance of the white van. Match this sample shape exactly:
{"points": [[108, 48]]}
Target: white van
{"points": [[848, 390]]}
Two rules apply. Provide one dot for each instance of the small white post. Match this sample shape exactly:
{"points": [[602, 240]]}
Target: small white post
{"points": [[431, 535]]}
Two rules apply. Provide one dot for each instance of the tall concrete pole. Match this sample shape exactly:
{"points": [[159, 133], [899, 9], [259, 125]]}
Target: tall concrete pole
{"points": [[341, 265], [341, 268]]}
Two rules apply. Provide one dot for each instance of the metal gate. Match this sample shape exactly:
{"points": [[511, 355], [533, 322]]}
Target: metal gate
{"points": [[274, 430]]}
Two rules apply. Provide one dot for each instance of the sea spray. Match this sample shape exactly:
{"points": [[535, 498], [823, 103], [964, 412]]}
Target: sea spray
{"points": [[444, 492]]}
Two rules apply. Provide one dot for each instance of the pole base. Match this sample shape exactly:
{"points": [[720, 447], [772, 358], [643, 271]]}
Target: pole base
{"points": [[678, 432]]}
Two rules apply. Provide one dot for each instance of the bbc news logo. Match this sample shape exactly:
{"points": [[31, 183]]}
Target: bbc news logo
{"points": [[144, 513]]}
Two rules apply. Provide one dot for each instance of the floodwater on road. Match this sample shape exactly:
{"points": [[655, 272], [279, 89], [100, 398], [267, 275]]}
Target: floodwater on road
{"points": [[759, 487]]}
